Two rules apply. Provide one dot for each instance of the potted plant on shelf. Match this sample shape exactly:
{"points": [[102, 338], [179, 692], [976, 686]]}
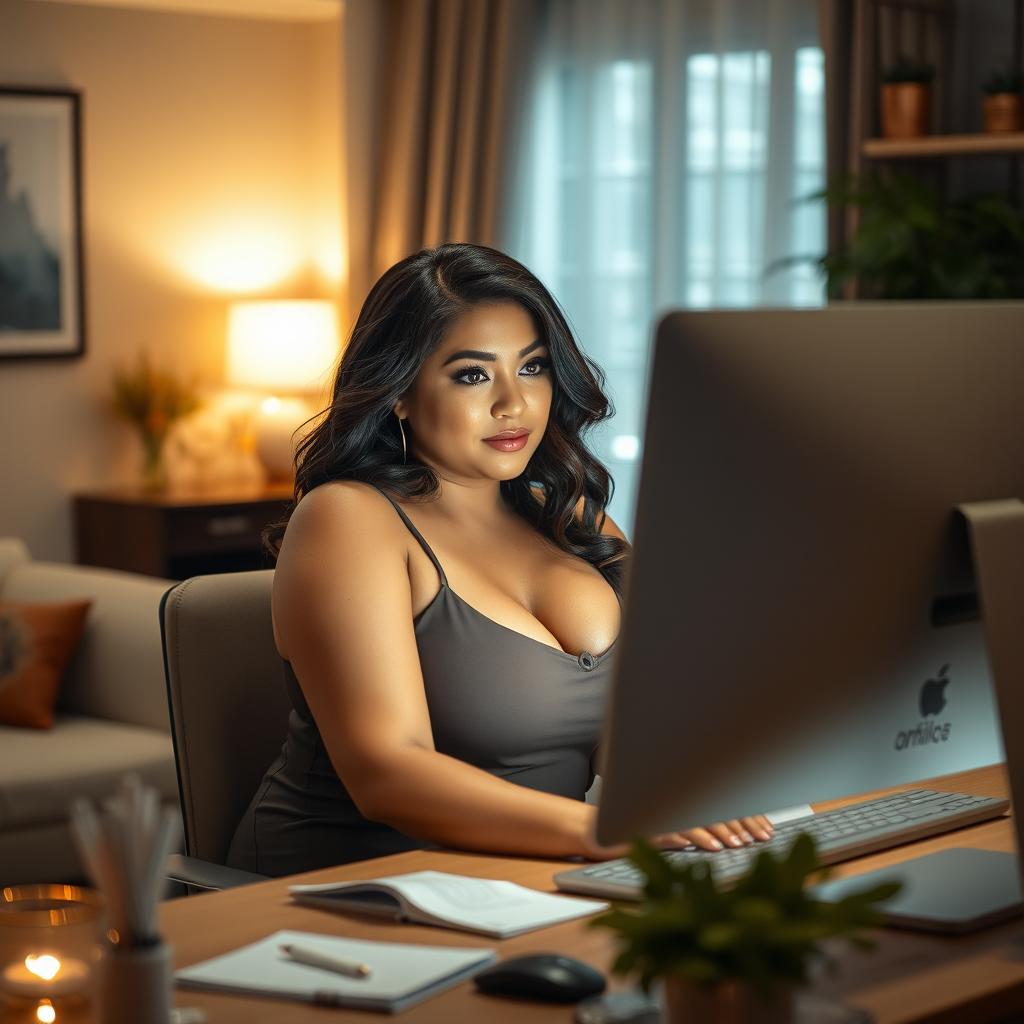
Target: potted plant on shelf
{"points": [[906, 99], [1001, 107], [737, 954]]}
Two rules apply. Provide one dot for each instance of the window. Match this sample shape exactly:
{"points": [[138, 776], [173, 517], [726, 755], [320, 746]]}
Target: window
{"points": [[625, 207]]}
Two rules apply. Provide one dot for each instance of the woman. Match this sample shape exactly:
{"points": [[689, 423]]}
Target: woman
{"points": [[446, 597]]}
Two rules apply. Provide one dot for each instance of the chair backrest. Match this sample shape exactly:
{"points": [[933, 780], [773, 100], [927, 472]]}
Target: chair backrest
{"points": [[228, 702]]}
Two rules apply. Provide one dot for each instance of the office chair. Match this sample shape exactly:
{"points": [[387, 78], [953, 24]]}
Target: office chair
{"points": [[228, 710]]}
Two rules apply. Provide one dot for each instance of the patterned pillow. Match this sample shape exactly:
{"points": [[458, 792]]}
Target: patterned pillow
{"points": [[36, 643]]}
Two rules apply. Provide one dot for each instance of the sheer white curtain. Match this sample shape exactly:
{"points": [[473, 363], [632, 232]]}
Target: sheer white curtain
{"points": [[665, 144]]}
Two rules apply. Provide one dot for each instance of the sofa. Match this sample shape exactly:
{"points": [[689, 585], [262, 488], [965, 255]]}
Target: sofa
{"points": [[111, 715]]}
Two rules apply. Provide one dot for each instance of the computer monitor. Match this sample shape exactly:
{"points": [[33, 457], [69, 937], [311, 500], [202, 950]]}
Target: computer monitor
{"points": [[800, 618]]}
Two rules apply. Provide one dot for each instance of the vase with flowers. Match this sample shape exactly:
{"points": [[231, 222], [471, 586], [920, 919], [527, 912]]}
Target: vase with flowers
{"points": [[151, 399]]}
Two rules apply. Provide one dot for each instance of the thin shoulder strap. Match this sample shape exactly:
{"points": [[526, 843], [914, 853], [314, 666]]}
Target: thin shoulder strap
{"points": [[416, 533]]}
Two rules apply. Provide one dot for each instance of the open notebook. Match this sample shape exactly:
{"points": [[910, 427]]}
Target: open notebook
{"points": [[402, 975], [483, 905]]}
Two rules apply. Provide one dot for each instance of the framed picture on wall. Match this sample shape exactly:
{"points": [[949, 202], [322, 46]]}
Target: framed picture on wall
{"points": [[41, 285]]}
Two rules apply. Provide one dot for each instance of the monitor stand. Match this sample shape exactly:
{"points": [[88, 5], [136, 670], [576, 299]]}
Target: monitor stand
{"points": [[959, 890], [996, 531]]}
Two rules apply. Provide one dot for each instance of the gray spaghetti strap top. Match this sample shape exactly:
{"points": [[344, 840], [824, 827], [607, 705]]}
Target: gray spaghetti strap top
{"points": [[499, 700]]}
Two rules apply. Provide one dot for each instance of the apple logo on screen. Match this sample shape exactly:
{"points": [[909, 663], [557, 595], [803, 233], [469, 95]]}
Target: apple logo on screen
{"points": [[933, 697]]}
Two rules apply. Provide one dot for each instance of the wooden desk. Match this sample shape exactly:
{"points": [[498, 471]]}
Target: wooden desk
{"points": [[911, 977]]}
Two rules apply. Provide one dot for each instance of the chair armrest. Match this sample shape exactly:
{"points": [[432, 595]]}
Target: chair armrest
{"points": [[203, 875]]}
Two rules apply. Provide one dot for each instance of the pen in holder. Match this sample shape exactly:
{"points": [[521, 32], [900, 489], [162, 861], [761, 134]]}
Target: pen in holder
{"points": [[124, 847]]}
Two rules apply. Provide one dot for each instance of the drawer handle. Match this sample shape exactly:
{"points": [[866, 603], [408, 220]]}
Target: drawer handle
{"points": [[227, 526]]}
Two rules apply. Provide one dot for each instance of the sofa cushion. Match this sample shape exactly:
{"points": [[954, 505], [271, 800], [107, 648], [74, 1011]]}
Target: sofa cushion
{"points": [[40, 773], [12, 553], [118, 670], [36, 641]]}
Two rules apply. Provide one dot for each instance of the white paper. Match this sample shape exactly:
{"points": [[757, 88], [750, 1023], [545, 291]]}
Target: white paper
{"points": [[479, 904], [400, 973], [789, 814]]}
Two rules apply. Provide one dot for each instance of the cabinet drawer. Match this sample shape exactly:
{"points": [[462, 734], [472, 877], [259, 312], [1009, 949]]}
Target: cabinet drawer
{"points": [[193, 531]]}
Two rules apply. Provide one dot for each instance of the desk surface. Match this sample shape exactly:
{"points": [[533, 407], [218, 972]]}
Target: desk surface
{"points": [[911, 977]]}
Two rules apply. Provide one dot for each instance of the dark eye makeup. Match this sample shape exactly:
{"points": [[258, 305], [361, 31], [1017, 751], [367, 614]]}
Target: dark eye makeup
{"points": [[480, 374]]}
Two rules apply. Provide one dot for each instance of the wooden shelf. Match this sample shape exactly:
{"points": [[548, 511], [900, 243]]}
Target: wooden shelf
{"points": [[979, 144]]}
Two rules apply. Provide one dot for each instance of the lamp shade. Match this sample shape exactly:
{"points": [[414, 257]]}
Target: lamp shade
{"points": [[281, 346]]}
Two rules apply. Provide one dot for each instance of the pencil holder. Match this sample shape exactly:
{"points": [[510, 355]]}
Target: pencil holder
{"points": [[135, 984]]}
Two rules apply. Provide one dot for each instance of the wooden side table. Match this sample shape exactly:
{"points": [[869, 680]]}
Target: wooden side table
{"points": [[176, 534]]}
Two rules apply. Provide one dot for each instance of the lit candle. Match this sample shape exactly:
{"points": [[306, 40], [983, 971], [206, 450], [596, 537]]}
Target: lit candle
{"points": [[45, 976]]}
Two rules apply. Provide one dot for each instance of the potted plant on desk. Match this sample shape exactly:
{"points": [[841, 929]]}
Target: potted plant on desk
{"points": [[735, 954]]}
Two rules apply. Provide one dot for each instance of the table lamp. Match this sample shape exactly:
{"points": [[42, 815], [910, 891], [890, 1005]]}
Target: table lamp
{"points": [[283, 350]]}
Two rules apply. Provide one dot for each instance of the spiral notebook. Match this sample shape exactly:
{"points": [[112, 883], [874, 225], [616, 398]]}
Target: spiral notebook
{"points": [[401, 975]]}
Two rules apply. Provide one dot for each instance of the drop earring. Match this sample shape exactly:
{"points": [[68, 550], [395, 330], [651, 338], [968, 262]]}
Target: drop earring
{"points": [[401, 430]]}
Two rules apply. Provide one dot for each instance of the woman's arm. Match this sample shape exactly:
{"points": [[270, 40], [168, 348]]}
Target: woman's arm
{"points": [[343, 618]]}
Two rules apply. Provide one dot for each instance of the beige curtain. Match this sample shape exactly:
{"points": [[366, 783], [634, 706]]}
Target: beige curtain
{"points": [[451, 75]]}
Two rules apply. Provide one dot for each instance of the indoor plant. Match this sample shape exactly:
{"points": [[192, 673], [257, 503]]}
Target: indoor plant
{"points": [[906, 99], [151, 399], [1002, 103], [911, 244], [738, 953]]}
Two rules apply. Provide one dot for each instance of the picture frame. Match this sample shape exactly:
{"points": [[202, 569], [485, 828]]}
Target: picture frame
{"points": [[42, 286]]}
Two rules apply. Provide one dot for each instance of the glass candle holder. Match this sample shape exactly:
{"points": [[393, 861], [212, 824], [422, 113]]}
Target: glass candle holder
{"points": [[49, 945]]}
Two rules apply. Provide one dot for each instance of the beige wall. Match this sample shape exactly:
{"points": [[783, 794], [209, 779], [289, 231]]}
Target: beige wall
{"points": [[211, 170]]}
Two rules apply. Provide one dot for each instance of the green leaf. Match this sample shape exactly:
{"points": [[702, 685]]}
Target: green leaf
{"points": [[718, 937], [655, 867]]}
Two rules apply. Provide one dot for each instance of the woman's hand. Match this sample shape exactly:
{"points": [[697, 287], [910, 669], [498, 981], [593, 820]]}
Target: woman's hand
{"points": [[735, 833]]}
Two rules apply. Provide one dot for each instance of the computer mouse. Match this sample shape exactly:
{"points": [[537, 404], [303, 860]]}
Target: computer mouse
{"points": [[549, 977]]}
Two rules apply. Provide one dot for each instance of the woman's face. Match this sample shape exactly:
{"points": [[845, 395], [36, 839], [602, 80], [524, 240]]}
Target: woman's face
{"points": [[490, 375]]}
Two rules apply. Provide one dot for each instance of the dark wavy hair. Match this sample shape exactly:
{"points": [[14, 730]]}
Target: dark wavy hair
{"points": [[402, 321]]}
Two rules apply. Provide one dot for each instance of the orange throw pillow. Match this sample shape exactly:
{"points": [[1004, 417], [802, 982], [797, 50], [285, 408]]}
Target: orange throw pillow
{"points": [[36, 643]]}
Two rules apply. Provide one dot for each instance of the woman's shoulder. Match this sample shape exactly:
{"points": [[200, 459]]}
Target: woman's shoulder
{"points": [[343, 540], [328, 498], [347, 511]]}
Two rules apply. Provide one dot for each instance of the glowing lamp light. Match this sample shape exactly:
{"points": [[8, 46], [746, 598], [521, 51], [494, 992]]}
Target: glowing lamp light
{"points": [[236, 251], [281, 346], [45, 966], [44, 976], [45, 1013], [285, 348]]}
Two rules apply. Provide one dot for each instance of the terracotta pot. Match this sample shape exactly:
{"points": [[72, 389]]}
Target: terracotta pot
{"points": [[729, 1003], [906, 109], [1002, 112]]}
